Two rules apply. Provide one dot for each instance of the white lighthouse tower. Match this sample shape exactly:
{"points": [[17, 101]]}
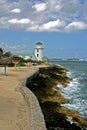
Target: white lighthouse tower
{"points": [[39, 51]]}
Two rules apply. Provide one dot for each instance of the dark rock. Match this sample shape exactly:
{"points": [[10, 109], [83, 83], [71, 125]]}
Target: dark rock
{"points": [[44, 85]]}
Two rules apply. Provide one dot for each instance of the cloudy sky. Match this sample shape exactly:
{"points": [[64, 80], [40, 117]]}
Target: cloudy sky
{"points": [[61, 25]]}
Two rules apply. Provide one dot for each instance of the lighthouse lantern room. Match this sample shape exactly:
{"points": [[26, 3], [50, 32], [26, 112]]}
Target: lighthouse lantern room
{"points": [[39, 51]]}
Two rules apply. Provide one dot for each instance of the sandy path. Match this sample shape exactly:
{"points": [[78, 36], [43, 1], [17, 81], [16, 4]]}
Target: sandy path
{"points": [[14, 111]]}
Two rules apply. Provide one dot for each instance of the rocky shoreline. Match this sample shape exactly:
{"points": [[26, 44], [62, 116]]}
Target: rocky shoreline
{"points": [[44, 85]]}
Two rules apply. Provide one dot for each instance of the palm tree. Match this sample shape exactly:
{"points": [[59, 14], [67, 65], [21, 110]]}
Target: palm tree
{"points": [[1, 52], [7, 54], [4, 54]]}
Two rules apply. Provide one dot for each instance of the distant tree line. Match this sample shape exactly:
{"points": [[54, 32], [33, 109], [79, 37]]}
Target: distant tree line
{"points": [[4, 54]]}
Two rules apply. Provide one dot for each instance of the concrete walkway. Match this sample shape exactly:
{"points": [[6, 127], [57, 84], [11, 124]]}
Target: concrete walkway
{"points": [[14, 110]]}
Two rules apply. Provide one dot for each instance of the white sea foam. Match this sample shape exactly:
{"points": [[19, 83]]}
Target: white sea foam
{"points": [[71, 89], [76, 91], [69, 74], [72, 92], [78, 105]]}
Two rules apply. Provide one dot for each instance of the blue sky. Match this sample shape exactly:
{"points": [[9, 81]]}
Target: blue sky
{"points": [[61, 26]]}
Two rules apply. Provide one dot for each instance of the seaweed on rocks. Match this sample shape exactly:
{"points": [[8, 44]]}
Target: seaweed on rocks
{"points": [[44, 85]]}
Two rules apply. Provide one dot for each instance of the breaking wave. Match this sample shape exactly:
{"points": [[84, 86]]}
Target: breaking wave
{"points": [[75, 93]]}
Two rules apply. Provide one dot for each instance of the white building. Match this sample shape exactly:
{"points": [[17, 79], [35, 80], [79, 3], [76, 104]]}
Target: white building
{"points": [[37, 55], [38, 51]]}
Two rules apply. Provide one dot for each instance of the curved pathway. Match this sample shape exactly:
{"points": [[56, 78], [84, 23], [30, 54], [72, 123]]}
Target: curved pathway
{"points": [[15, 113]]}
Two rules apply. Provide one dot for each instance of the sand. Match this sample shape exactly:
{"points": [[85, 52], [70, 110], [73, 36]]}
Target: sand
{"points": [[14, 110]]}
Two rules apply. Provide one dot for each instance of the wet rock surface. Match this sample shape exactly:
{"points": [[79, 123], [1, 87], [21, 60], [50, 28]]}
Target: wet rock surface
{"points": [[44, 85]]}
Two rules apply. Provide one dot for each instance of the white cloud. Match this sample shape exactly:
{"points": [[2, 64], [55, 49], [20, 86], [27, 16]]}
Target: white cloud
{"points": [[58, 7], [50, 15], [76, 26], [52, 25], [16, 10], [40, 7], [19, 21], [34, 28]]}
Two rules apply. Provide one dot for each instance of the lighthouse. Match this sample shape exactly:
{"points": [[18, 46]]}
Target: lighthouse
{"points": [[39, 51]]}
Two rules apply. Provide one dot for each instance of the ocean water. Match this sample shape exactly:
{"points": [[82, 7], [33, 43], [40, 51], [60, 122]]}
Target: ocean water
{"points": [[76, 91]]}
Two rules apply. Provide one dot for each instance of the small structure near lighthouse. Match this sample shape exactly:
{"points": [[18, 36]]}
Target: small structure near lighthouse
{"points": [[38, 51], [37, 55]]}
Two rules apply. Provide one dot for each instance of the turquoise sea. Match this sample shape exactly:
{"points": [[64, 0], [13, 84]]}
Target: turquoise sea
{"points": [[76, 91]]}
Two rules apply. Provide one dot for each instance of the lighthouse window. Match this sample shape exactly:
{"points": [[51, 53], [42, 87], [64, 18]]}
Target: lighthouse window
{"points": [[37, 50], [37, 55]]}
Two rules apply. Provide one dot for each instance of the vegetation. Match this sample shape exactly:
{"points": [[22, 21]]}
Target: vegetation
{"points": [[21, 64], [1, 52], [4, 54]]}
